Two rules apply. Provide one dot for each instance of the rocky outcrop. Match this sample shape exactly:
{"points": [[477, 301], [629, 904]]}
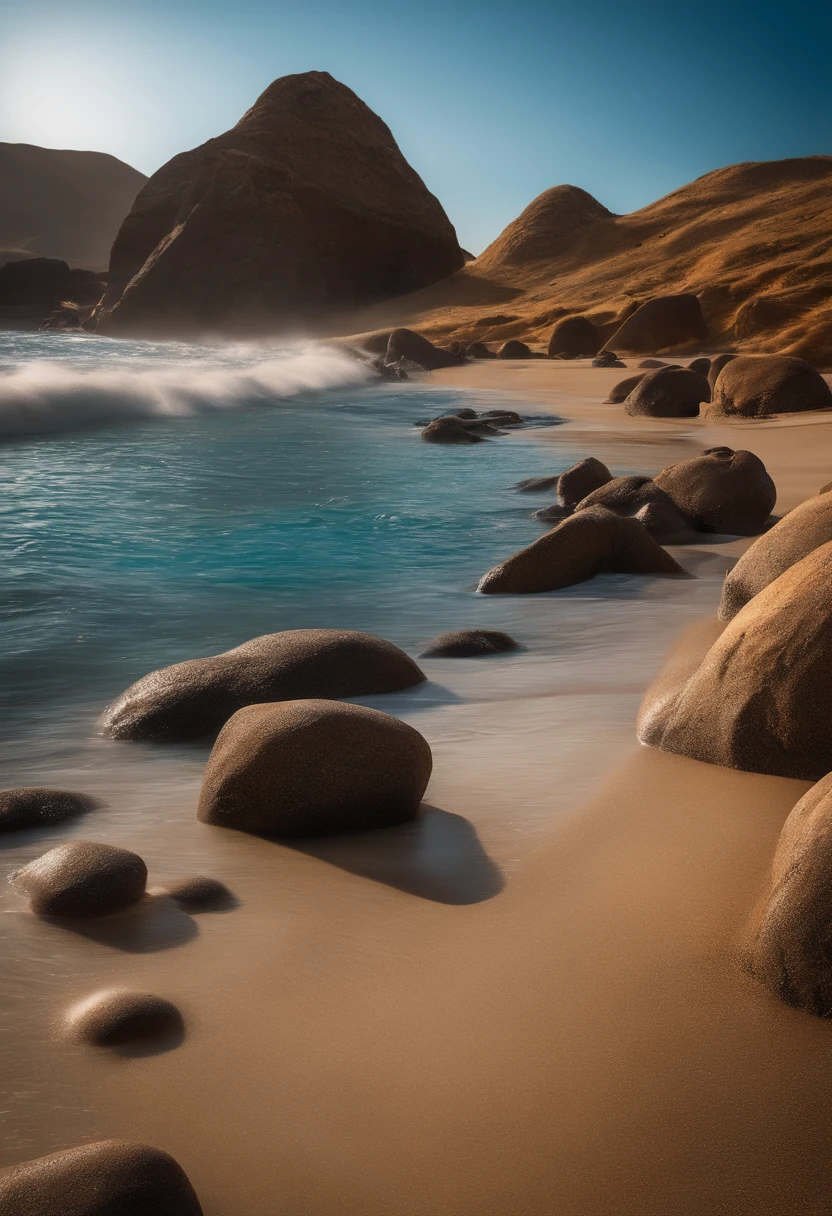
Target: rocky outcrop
{"points": [[790, 947], [304, 208], [33, 281], [192, 699], [108, 1178], [302, 768], [668, 392], [38, 806], [621, 391], [116, 1017], [82, 878], [761, 699], [593, 542], [468, 644], [666, 322], [418, 352], [722, 490], [755, 386], [575, 338], [805, 528], [581, 479], [642, 499]]}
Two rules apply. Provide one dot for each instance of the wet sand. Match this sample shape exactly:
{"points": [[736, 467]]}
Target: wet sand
{"points": [[496, 1010]]}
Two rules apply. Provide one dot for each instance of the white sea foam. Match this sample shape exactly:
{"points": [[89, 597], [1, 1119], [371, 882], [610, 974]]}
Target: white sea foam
{"points": [[43, 396]]}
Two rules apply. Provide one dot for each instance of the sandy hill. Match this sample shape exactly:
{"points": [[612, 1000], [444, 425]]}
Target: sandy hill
{"points": [[62, 204], [753, 242]]}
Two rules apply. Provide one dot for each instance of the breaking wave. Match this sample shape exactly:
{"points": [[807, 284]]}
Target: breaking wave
{"points": [[46, 396]]}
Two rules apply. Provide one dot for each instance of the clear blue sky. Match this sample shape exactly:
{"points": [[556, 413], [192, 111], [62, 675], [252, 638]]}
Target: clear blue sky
{"points": [[491, 103]]}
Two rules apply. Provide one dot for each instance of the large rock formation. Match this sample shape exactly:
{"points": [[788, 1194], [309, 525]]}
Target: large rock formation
{"points": [[796, 535], [761, 699], [667, 321], [642, 499], [721, 490], [756, 386], [305, 207]]}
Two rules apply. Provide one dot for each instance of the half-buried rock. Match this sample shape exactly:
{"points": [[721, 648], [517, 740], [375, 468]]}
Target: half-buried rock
{"points": [[668, 392], [117, 1017], [595, 541], [641, 498], [514, 349], [197, 892], [761, 699], [574, 338], [40, 806], [796, 535], [82, 878], [303, 768], [621, 391], [108, 1178], [755, 386], [194, 698], [722, 490], [468, 644], [790, 950], [418, 351], [450, 430], [667, 321]]}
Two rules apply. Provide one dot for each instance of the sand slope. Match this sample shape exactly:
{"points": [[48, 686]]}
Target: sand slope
{"points": [[753, 241]]}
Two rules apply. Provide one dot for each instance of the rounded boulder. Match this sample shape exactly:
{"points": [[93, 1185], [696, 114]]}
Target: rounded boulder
{"points": [[581, 479], [574, 338], [468, 644], [621, 391], [40, 806], [198, 891], [756, 386], [642, 499], [304, 768], [192, 699], [406, 344], [717, 364], [658, 324], [668, 392], [514, 349], [116, 1017], [82, 878], [450, 430], [721, 490]]}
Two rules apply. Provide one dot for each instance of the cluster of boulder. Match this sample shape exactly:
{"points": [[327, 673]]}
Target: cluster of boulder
{"points": [[467, 426]]}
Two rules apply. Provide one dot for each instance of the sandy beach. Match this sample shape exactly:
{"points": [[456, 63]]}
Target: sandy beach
{"points": [[528, 1002]]}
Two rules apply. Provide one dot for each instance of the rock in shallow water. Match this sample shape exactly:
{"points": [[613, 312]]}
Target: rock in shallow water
{"points": [[581, 479], [302, 768], [82, 878], [108, 1178], [197, 892], [116, 1017], [468, 643], [722, 490], [192, 699], [40, 806], [642, 499]]}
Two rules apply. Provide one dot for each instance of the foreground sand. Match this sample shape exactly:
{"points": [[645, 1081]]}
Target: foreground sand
{"points": [[468, 1018]]}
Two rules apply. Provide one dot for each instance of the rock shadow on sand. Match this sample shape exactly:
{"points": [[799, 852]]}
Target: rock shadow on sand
{"points": [[438, 857], [153, 924]]}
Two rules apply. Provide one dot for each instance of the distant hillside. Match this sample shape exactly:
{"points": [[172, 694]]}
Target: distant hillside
{"points": [[753, 241], [62, 204]]}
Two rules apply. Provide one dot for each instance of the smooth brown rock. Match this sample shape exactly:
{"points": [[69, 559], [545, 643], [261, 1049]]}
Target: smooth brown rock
{"points": [[581, 479], [108, 1178], [576, 338], [33, 281], [116, 1016], [790, 947], [642, 499], [194, 698], [513, 349], [761, 699], [649, 364], [304, 208], [40, 806], [301, 768], [621, 391], [607, 358], [467, 644], [450, 430], [198, 891], [702, 366], [82, 878], [755, 386], [722, 490], [667, 321], [414, 349], [717, 364], [478, 350], [805, 528], [535, 485], [668, 392], [593, 542]]}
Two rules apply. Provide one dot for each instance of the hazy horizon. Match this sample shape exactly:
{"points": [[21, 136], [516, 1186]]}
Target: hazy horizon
{"points": [[490, 105]]}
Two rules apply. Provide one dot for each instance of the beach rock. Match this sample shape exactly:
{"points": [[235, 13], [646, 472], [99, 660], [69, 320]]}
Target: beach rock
{"points": [[576, 338], [33, 281], [301, 768], [606, 358], [194, 698], [755, 386], [621, 391], [552, 514], [407, 344], [651, 363], [761, 699], [82, 878], [115, 1017], [198, 891], [668, 392], [38, 806], [641, 498], [826, 488], [661, 323], [592, 542], [535, 485], [790, 950], [805, 528], [513, 349], [450, 430], [701, 366], [468, 643], [478, 350], [722, 490], [503, 417], [581, 479], [108, 1178], [466, 413], [304, 208], [717, 364]]}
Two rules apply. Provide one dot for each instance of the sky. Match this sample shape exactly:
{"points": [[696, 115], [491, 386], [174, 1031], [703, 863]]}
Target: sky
{"points": [[490, 102]]}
